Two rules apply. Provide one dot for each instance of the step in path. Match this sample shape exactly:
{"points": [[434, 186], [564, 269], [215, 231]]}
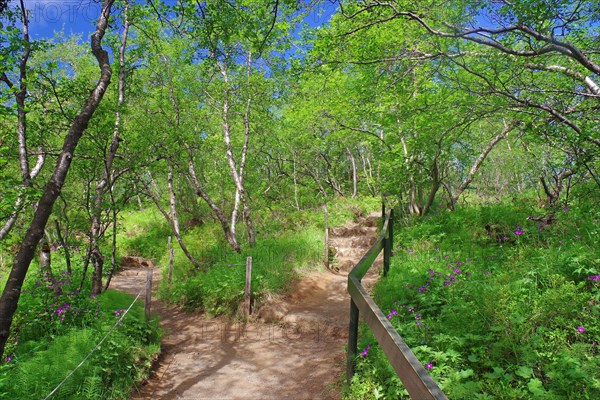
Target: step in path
{"points": [[292, 349]]}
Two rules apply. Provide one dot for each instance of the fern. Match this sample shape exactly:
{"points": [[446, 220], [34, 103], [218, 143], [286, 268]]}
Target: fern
{"points": [[91, 388]]}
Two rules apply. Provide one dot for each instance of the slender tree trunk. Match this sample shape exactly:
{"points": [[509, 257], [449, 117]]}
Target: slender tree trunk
{"points": [[465, 183], [104, 184], [435, 186], [413, 196], [22, 261], [113, 253], [45, 264], [229, 236], [554, 193], [368, 173], [20, 94], [354, 173], [237, 175], [65, 247], [11, 219], [169, 216], [295, 185], [241, 188], [5, 230], [175, 219]]}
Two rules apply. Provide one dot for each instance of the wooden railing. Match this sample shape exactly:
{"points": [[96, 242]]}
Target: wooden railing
{"points": [[411, 372]]}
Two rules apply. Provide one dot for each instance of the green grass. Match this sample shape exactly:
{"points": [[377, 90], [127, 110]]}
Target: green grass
{"points": [[287, 246], [495, 314]]}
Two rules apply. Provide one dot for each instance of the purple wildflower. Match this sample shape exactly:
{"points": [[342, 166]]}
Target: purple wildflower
{"points": [[518, 231], [365, 352], [429, 365], [580, 329], [594, 278]]}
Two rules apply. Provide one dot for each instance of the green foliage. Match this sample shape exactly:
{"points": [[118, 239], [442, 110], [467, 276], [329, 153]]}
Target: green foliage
{"points": [[143, 234], [56, 328], [276, 262], [286, 247], [494, 316]]}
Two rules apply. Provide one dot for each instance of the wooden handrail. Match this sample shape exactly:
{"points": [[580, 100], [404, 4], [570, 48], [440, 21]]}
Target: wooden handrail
{"points": [[411, 372]]}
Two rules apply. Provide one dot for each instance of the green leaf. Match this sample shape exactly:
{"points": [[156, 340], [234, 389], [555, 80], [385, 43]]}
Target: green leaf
{"points": [[498, 372], [524, 372], [536, 387], [465, 373]]}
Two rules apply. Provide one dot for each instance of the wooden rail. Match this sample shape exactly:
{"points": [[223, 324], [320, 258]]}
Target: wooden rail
{"points": [[411, 372]]}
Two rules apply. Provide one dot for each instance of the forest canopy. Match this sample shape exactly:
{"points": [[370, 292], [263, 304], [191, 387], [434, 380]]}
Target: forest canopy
{"points": [[238, 112]]}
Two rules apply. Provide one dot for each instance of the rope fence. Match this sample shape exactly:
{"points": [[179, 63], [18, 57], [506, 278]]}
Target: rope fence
{"points": [[52, 393]]}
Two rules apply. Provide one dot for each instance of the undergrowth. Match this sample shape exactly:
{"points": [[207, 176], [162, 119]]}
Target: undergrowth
{"points": [[495, 305], [56, 327], [288, 244]]}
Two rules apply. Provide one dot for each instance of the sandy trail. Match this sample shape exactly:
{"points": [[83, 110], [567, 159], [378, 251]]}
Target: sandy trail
{"points": [[298, 357]]}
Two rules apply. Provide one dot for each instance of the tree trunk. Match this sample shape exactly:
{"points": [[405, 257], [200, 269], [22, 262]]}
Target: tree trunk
{"points": [[435, 186], [169, 216], [105, 182], [45, 265], [465, 183], [20, 98], [237, 175], [22, 261], [354, 173], [229, 236], [65, 247], [295, 184], [368, 174]]}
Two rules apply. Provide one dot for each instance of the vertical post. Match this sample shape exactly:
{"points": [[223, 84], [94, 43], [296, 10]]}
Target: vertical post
{"points": [[326, 236], [248, 286], [352, 341], [148, 293], [382, 211], [389, 241], [171, 259]]}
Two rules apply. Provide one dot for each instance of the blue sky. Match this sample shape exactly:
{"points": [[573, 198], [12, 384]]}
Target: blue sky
{"points": [[80, 16], [72, 16]]}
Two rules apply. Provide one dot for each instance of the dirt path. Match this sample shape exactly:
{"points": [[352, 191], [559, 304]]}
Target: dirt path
{"points": [[294, 350]]}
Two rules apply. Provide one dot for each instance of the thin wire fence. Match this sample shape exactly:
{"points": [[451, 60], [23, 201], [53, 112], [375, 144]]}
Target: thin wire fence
{"points": [[119, 321]]}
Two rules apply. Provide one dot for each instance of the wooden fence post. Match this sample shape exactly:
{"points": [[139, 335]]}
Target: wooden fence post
{"points": [[389, 242], [326, 236], [148, 293], [247, 292], [171, 260], [352, 341]]}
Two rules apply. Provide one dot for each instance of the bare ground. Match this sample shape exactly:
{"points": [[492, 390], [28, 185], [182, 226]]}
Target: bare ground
{"points": [[294, 350]]}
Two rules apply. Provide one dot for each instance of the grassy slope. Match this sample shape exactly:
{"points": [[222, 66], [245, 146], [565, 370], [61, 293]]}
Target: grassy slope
{"points": [[287, 244], [492, 313]]}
